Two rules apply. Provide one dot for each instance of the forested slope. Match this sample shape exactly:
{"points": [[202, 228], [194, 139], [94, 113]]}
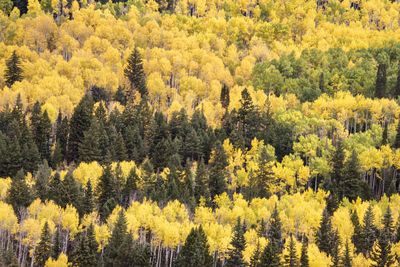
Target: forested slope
{"points": [[199, 133]]}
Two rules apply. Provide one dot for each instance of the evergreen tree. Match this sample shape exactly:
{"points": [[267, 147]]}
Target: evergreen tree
{"points": [[275, 229], [385, 135], [396, 144], [56, 190], [271, 255], [368, 232], [13, 71], [86, 252], [304, 261], [88, 200], [323, 237], [79, 124], [107, 193], [291, 260], [41, 128], [62, 131], [92, 245], [118, 236], [255, 260], [335, 252], [195, 252], [350, 186], [225, 98], [19, 194], [217, 171], [357, 235], [347, 260], [388, 224], [130, 187], [43, 250], [338, 166], [56, 248], [120, 149], [71, 193], [135, 74], [381, 80], [235, 255], [248, 118], [42, 181], [201, 182], [89, 149]]}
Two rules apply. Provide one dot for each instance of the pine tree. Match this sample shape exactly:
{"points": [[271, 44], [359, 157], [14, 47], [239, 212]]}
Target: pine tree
{"points": [[217, 172], [368, 232], [381, 81], [335, 252], [41, 130], [382, 255], [92, 246], [56, 190], [118, 236], [357, 235], [43, 250], [13, 71], [271, 255], [19, 194], [201, 182], [225, 98], [42, 181], [338, 166], [71, 193], [385, 135], [304, 261], [86, 252], [79, 124], [291, 260], [347, 260], [62, 131], [195, 252], [120, 149], [56, 248], [396, 144], [89, 149], [235, 255], [135, 74], [130, 187], [248, 118], [323, 237], [350, 185], [255, 260], [107, 193], [88, 200], [275, 229]]}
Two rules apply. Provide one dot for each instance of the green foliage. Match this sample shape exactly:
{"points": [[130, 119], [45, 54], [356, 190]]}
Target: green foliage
{"points": [[43, 250], [19, 194], [304, 260], [235, 254], [134, 72], [291, 260], [14, 72]]}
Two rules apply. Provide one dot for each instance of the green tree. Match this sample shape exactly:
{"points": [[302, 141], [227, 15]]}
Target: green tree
{"points": [[42, 179], [255, 260], [88, 200], [118, 238], [225, 98], [357, 235], [291, 260], [271, 255], [347, 260], [135, 74], [43, 250], [248, 118], [201, 182], [350, 186], [338, 167], [56, 248], [235, 254], [19, 194], [304, 261], [56, 190], [195, 252], [89, 149], [368, 232], [217, 171], [107, 192], [275, 229], [130, 187], [14, 72], [86, 252], [323, 236]]}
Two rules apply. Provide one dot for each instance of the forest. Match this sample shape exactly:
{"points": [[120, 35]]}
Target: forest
{"points": [[209, 133]]}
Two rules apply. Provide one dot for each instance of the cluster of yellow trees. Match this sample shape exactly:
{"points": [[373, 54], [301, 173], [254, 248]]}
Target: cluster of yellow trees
{"points": [[188, 55], [169, 226]]}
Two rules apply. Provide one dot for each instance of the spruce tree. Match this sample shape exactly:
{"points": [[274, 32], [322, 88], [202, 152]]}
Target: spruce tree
{"points": [[323, 237], [135, 74], [56, 190], [271, 255], [381, 81], [130, 187], [357, 235], [43, 250], [335, 252], [88, 200], [396, 144], [19, 194], [255, 260], [248, 118], [291, 260], [385, 135], [13, 71], [217, 171], [79, 124], [347, 260], [195, 252], [56, 248], [338, 167], [275, 229], [89, 149], [235, 254], [225, 98], [107, 190], [118, 236], [42, 179], [350, 186], [368, 232], [62, 131], [304, 261], [86, 252], [201, 182], [92, 245], [388, 224]]}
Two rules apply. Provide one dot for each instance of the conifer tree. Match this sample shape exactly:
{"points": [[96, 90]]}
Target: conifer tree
{"points": [[304, 261], [396, 144], [347, 260], [130, 187], [62, 131], [385, 135], [201, 182], [92, 245], [118, 236], [335, 252], [381, 80], [42, 181], [19, 194], [79, 124], [13, 71], [382, 254], [255, 260], [89, 149], [43, 250], [135, 74], [71, 193], [248, 118], [56, 190], [107, 193], [225, 98], [337, 169], [88, 200], [271, 255], [323, 237], [217, 171], [291, 260], [350, 186], [368, 232], [235, 255], [56, 248], [86, 252], [357, 235], [195, 252], [275, 229]]}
